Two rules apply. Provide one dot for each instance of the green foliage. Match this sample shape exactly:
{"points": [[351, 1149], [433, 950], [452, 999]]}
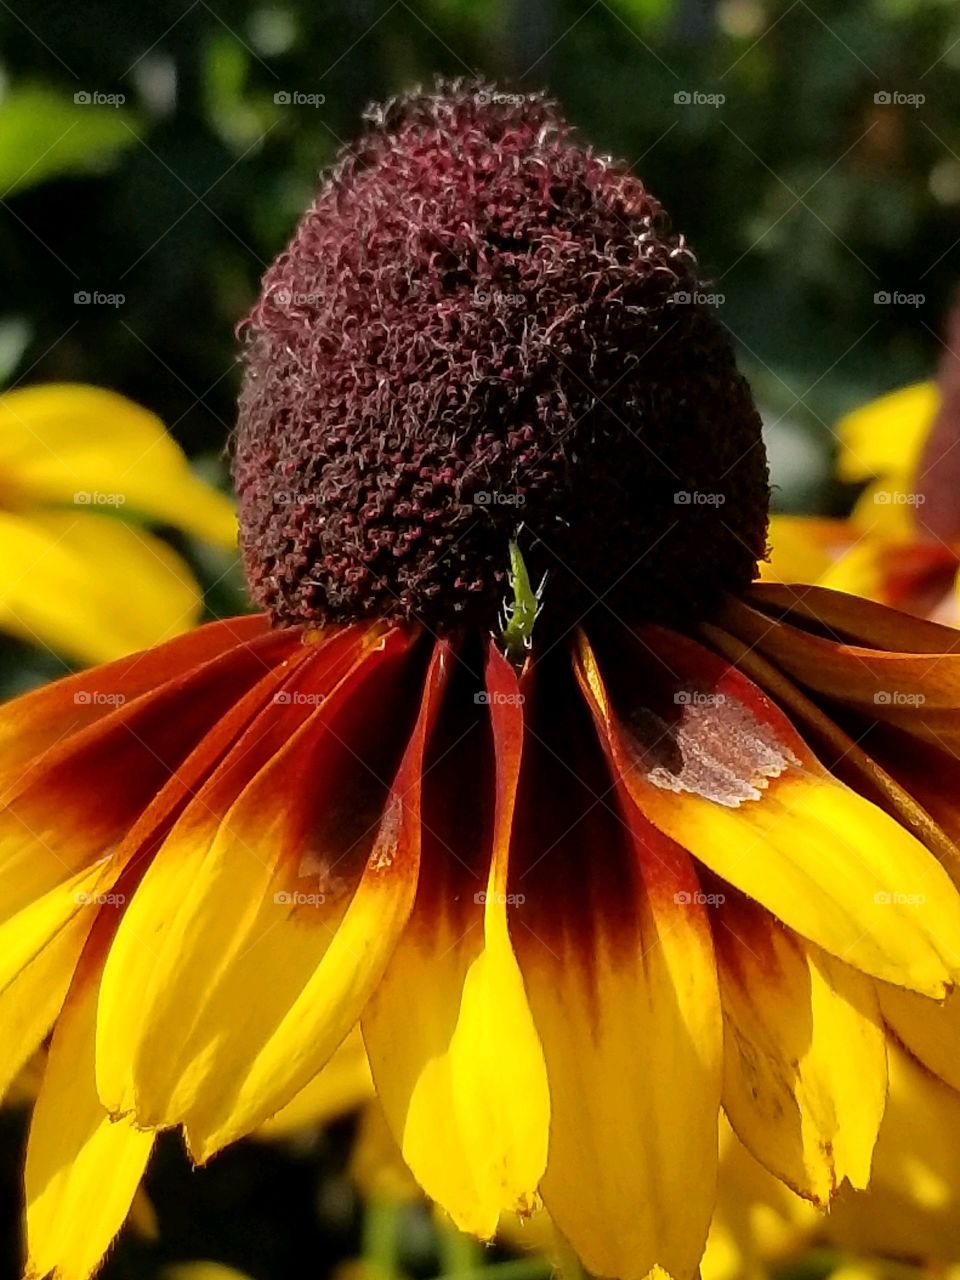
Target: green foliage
{"points": [[47, 134]]}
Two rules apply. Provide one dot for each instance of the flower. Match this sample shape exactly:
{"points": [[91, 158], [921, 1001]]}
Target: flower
{"points": [[901, 545], [909, 1212], [676, 842], [79, 466]]}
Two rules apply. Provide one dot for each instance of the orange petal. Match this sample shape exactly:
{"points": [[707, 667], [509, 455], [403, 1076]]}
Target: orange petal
{"points": [[73, 805], [30, 724]]}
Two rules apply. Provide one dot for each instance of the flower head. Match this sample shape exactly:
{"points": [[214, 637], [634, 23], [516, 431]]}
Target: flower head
{"points": [[480, 323], [578, 899]]}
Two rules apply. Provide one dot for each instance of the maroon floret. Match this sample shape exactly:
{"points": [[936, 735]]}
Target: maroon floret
{"points": [[481, 324]]}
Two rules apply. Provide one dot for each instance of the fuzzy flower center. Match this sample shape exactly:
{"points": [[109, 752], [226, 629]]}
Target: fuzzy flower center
{"points": [[483, 331]]}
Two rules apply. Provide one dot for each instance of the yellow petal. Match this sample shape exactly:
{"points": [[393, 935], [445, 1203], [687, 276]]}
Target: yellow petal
{"points": [[463, 1084], [31, 1000], [808, 1109], [758, 1221], [65, 443], [742, 792], [616, 956], [804, 548], [912, 1208], [884, 437], [930, 1030], [885, 513], [82, 1168], [89, 586], [277, 926], [342, 1086]]}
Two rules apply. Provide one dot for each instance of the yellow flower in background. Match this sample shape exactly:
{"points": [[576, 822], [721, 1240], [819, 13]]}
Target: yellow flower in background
{"points": [[880, 445], [885, 550], [911, 1210], [81, 469]]}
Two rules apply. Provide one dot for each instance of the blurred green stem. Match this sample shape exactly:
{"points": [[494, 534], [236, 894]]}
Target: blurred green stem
{"points": [[459, 1255], [538, 1268], [381, 1222]]}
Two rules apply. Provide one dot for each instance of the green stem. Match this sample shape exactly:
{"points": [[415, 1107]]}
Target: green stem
{"points": [[381, 1234], [538, 1268], [459, 1255]]}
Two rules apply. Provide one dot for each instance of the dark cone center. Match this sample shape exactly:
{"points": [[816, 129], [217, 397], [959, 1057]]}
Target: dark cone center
{"points": [[481, 325]]}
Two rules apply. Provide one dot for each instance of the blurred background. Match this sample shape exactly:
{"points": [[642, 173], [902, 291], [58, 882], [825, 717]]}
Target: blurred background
{"points": [[153, 159]]}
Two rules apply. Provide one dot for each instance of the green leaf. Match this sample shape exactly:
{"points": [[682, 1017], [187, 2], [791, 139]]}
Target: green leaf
{"points": [[46, 133]]}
